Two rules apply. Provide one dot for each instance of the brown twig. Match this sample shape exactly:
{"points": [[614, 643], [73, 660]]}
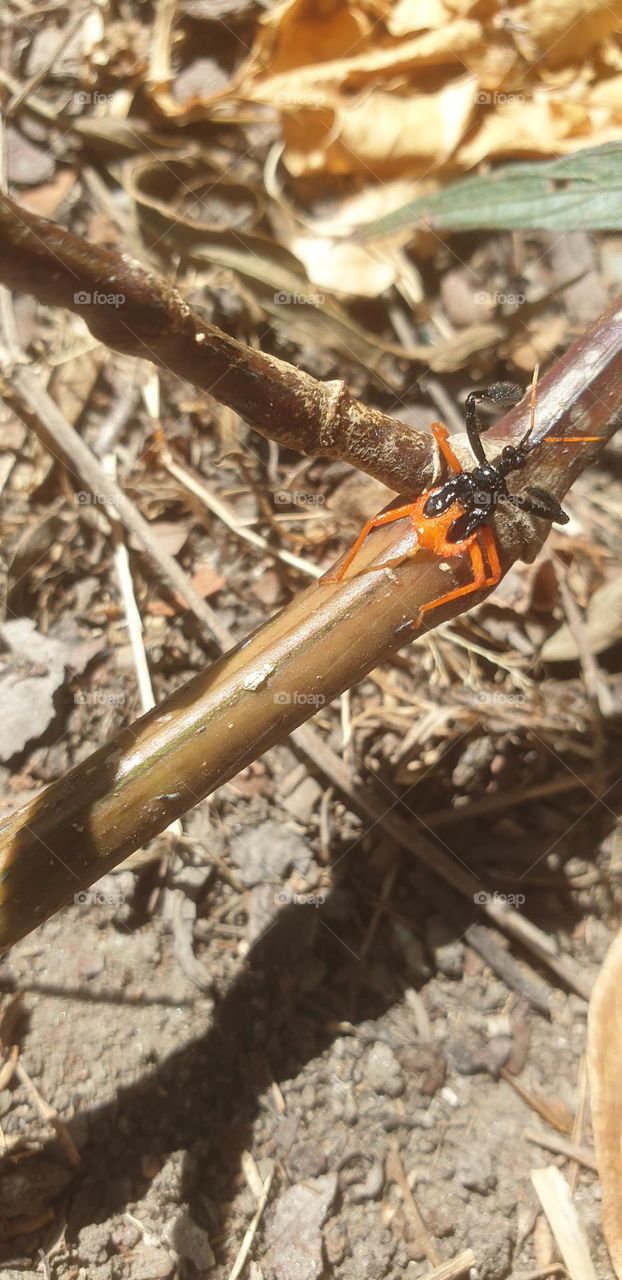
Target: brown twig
{"points": [[134, 311]]}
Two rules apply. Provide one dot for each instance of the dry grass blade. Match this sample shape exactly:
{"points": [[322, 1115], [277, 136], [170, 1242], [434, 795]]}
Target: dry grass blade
{"points": [[458, 1266], [604, 1058], [554, 1196]]}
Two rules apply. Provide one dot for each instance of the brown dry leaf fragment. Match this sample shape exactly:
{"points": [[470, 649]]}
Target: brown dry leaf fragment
{"points": [[172, 535], [565, 30], [295, 33], [602, 624], [383, 131], [532, 128], [73, 381], [607, 94], [343, 266], [25, 1226], [432, 48], [328, 248], [206, 581], [46, 198], [495, 62], [417, 15], [604, 1055]]}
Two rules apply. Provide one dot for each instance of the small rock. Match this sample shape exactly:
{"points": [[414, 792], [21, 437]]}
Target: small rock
{"points": [[89, 964], [448, 951], [267, 853], [191, 1241], [306, 1160], [294, 1235], [464, 300], [475, 1171], [303, 799], [28, 164], [33, 1183], [383, 1071], [152, 1264], [94, 1242]]}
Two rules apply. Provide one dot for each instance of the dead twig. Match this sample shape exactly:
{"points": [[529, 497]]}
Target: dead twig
{"points": [[134, 311]]}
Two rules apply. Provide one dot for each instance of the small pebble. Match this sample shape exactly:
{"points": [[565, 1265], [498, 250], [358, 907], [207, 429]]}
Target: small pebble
{"points": [[383, 1071]]}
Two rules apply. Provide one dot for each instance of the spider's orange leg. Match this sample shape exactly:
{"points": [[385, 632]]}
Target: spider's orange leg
{"points": [[532, 419], [441, 435], [481, 577], [490, 546], [388, 517]]}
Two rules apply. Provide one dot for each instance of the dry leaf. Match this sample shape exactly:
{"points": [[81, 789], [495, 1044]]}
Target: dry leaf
{"points": [[295, 33], [604, 1065], [602, 625], [566, 30], [206, 582], [383, 131]]}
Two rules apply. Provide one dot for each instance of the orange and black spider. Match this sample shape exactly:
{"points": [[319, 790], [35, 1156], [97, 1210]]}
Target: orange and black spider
{"points": [[453, 518]]}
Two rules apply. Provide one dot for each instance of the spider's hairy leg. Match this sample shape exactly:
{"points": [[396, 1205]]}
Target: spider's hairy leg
{"points": [[504, 395]]}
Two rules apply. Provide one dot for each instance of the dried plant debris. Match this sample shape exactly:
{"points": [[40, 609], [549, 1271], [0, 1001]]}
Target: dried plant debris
{"points": [[604, 1050]]}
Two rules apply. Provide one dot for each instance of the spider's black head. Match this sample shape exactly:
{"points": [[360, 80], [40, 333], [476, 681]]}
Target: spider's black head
{"points": [[513, 457]]}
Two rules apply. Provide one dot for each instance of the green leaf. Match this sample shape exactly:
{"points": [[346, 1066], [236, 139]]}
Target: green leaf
{"points": [[580, 192]]}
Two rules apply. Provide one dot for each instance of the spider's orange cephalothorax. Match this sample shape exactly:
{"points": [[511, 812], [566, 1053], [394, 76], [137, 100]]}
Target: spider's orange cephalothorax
{"points": [[432, 531]]}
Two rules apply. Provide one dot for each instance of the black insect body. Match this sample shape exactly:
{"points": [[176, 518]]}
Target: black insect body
{"points": [[453, 519], [480, 490]]}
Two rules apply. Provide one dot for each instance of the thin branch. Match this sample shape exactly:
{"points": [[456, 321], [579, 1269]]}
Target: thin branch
{"points": [[136, 312]]}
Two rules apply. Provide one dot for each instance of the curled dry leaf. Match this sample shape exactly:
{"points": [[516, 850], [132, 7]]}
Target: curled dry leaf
{"points": [[342, 82], [565, 30], [380, 130], [602, 623], [548, 123], [604, 1059]]}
